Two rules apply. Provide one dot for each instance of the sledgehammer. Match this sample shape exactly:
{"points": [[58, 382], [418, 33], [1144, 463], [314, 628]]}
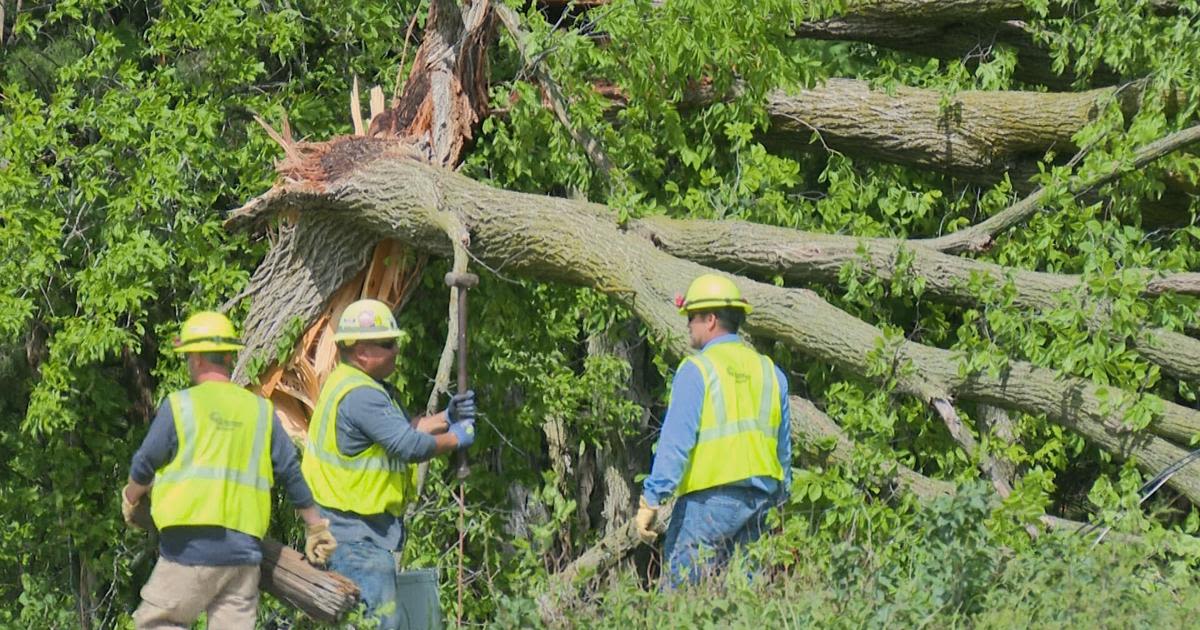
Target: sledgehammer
{"points": [[462, 282]]}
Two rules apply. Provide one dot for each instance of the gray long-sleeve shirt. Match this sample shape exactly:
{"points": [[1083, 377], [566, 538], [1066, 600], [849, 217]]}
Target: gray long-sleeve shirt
{"points": [[213, 545], [367, 416]]}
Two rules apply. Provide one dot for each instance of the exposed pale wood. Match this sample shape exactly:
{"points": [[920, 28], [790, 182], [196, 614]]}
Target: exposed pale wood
{"points": [[377, 106], [390, 276], [356, 110]]}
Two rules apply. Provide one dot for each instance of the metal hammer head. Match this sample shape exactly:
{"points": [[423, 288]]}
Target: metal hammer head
{"points": [[465, 280]]}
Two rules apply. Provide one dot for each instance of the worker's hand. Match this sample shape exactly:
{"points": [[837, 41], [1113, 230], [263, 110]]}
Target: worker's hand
{"points": [[461, 407], [645, 521], [319, 545], [465, 432], [127, 507]]}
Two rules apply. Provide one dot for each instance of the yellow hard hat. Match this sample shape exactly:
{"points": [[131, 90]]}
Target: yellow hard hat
{"points": [[367, 319], [711, 291], [208, 331]]}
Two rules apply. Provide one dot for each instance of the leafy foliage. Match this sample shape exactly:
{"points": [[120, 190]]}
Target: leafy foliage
{"points": [[126, 132]]}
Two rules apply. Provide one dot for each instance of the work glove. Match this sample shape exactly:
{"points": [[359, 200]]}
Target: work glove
{"points": [[127, 507], [645, 521], [320, 543], [461, 407], [465, 432]]}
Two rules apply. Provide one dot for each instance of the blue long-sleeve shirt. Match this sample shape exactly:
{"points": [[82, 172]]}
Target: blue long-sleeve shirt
{"points": [[367, 416], [212, 545], [682, 425]]}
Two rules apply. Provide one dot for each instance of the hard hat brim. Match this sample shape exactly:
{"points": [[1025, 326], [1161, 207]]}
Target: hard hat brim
{"points": [[208, 346], [367, 336], [702, 305]]}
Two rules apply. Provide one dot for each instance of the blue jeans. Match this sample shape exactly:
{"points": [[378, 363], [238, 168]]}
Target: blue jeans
{"points": [[707, 525], [373, 569]]}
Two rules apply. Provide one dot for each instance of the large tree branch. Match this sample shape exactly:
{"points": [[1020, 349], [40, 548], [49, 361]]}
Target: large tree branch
{"points": [[979, 137], [579, 243], [967, 30], [807, 257]]}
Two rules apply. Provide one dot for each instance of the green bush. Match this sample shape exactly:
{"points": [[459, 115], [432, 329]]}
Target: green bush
{"points": [[944, 568]]}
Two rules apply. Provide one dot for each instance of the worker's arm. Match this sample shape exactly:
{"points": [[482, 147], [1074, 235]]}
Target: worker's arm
{"points": [[784, 447], [157, 449], [367, 416], [678, 436]]}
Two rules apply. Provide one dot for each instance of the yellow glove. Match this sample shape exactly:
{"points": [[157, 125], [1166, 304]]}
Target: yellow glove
{"points": [[127, 507], [645, 521], [319, 545]]}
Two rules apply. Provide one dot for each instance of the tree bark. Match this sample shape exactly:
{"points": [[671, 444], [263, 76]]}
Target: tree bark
{"points": [[996, 422], [579, 243], [979, 137]]}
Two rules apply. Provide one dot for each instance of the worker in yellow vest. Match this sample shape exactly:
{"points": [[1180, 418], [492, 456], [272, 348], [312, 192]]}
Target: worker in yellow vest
{"points": [[724, 448], [361, 449], [208, 462]]}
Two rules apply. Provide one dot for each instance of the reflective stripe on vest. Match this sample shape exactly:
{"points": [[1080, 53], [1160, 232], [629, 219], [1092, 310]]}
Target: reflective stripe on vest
{"points": [[732, 449], [221, 473], [370, 482]]}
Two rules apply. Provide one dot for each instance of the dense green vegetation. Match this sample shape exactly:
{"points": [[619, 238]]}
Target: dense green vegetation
{"points": [[127, 133]]}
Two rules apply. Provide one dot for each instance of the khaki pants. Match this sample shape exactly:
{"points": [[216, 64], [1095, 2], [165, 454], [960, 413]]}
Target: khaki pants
{"points": [[176, 594]]}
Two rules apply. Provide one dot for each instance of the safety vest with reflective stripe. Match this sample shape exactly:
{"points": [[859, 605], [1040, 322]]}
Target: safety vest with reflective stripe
{"points": [[370, 482], [221, 473], [739, 419]]}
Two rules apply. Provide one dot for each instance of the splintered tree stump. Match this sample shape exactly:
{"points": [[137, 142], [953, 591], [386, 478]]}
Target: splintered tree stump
{"points": [[325, 596]]}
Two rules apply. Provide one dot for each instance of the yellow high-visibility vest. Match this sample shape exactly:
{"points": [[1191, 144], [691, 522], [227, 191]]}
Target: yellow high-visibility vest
{"points": [[221, 473], [370, 482], [739, 419]]}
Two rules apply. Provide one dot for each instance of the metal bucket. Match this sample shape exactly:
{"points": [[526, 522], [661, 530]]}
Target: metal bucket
{"points": [[417, 597]]}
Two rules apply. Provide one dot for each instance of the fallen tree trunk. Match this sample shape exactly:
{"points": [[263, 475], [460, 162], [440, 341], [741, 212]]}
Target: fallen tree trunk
{"points": [[362, 190], [325, 596]]}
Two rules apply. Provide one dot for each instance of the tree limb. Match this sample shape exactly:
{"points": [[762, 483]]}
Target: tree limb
{"points": [[558, 102], [460, 238], [805, 257], [979, 237]]}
